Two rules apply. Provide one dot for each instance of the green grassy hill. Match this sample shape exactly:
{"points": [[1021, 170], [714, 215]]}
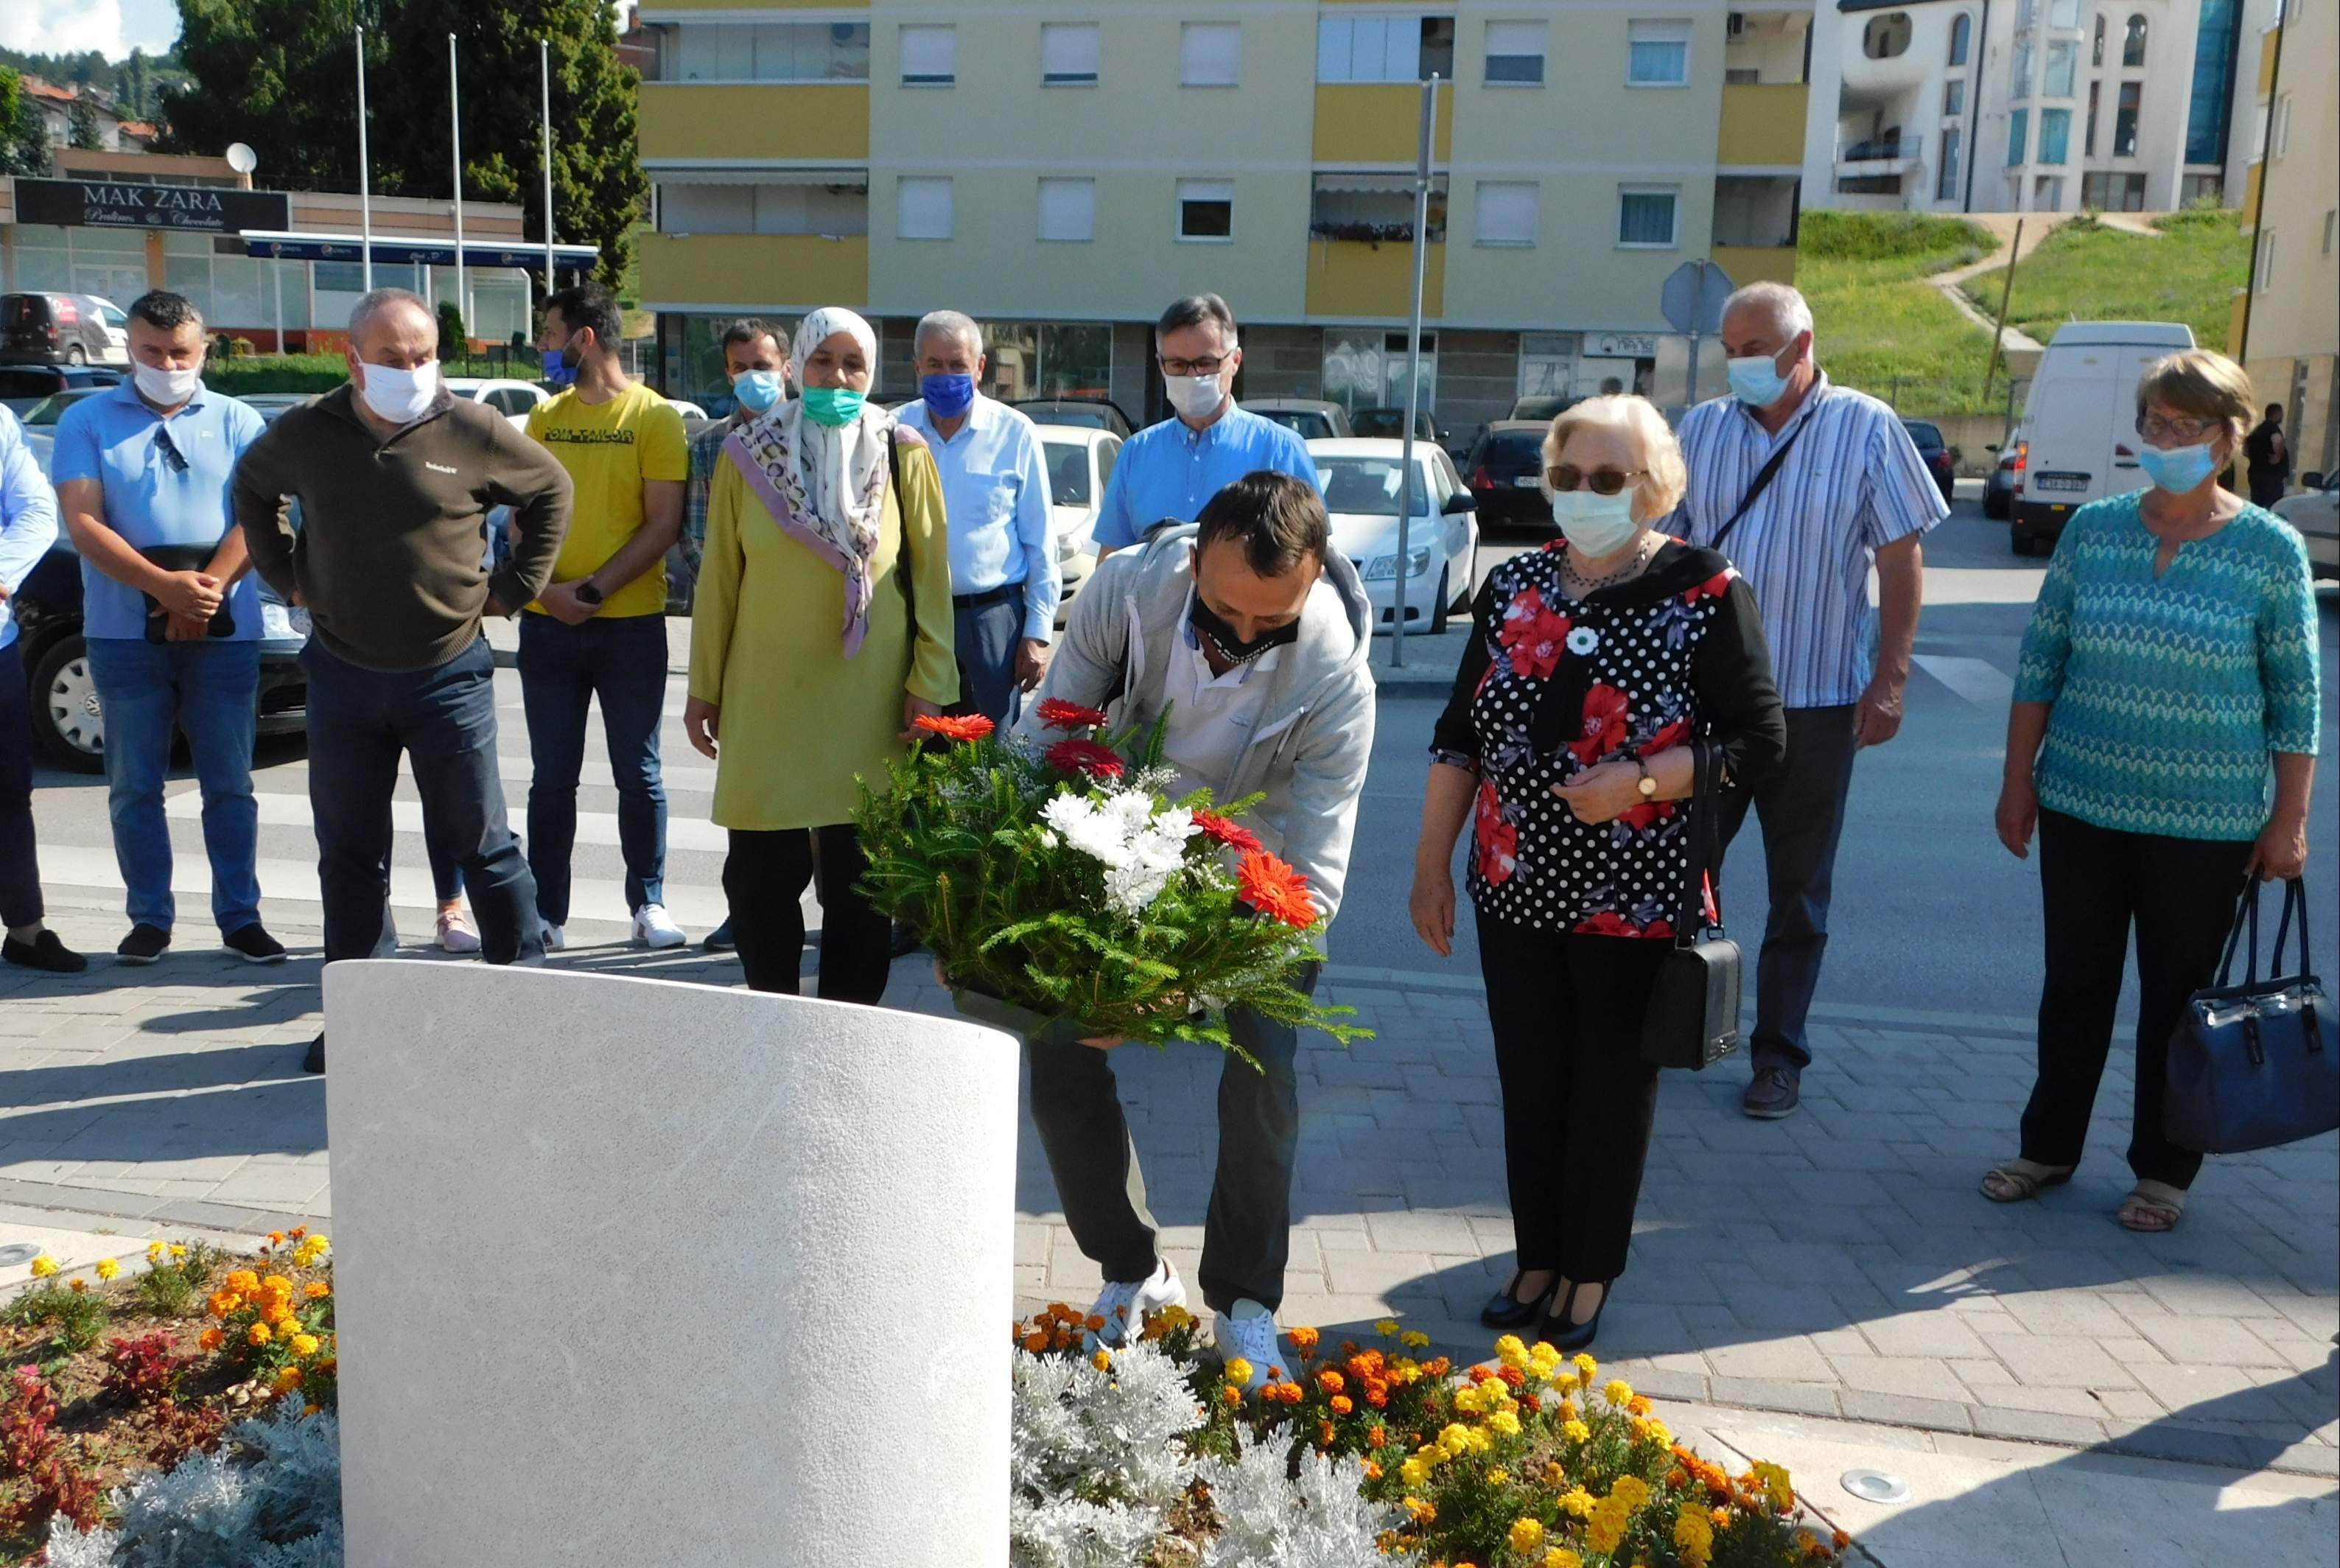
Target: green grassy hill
{"points": [[1879, 327], [2087, 272]]}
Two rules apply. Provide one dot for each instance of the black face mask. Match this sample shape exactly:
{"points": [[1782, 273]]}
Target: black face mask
{"points": [[1222, 640]]}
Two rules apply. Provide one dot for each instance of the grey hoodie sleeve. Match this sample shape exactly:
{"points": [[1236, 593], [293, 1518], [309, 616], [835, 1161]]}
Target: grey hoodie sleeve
{"points": [[1328, 775], [1087, 667]]}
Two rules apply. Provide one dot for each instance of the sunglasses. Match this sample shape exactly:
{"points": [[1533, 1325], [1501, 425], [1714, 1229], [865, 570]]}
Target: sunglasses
{"points": [[1600, 482], [2158, 427], [173, 458]]}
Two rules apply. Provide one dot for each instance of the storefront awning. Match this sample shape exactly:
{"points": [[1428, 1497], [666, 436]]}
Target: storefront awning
{"points": [[300, 247]]}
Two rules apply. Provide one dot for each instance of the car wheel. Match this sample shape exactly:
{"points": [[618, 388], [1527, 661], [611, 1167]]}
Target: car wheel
{"points": [[75, 356], [2019, 539], [67, 722], [1444, 599]]}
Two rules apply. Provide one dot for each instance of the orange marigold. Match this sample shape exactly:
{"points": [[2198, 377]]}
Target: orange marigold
{"points": [[316, 1290], [258, 1334], [973, 726], [1342, 1404], [1378, 1436], [1305, 1340], [212, 1339], [1273, 888], [1231, 1394], [1330, 1380], [1035, 1342]]}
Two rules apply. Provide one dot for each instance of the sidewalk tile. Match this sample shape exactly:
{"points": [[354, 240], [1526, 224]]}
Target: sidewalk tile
{"points": [[2062, 1360], [2038, 1426]]}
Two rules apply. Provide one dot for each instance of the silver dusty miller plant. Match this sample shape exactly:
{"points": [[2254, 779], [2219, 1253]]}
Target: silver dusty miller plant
{"points": [[1317, 1520]]}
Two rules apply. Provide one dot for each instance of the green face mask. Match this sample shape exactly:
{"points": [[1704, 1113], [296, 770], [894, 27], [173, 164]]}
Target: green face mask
{"points": [[833, 405]]}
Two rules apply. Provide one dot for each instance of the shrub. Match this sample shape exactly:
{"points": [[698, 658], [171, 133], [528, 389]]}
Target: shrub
{"points": [[75, 1315], [1884, 236], [142, 1371], [32, 1451], [278, 1328], [176, 1274]]}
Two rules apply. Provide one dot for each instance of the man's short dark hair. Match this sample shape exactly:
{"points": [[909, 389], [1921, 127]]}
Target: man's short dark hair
{"points": [[1193, 312], [1278, 520], [745, 330], [590, 305], [2274, 411], [162, 307]]}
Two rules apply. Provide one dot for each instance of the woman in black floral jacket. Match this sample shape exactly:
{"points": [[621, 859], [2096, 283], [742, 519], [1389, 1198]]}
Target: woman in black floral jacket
{"points": [[1596, 668]]}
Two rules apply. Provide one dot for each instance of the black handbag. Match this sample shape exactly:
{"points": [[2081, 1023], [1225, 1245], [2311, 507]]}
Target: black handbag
{"points": [[1692, 1019], [183, 558], [2255, 1065]]}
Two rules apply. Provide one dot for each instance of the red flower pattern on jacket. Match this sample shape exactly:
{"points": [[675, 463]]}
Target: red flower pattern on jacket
{"points": [[1497, 839], [1667, 739], [1604, 724], [1714, 587], [1611, 923], [1534, 634]]}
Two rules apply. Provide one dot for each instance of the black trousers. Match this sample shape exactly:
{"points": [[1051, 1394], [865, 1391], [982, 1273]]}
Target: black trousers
{"points": [[20, 866], [1801, 810], [2095, 883], [1578, 1099], [986, 635], [765, 876]]}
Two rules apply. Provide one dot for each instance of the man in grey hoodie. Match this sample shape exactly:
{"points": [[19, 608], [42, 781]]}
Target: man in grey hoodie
{"points": [[1252, 635]]}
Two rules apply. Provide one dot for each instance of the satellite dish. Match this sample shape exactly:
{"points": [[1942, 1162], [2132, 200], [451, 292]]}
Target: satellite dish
{"points": [[240, 158]]}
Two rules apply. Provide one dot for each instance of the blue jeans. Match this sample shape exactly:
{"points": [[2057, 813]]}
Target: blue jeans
{"points": [[444, 720], [562, 669], [208, 690]]}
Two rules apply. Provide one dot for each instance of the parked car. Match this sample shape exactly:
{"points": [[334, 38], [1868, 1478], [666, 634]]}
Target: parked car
{"points": [[511, 398], [45, 415], [1312, 419], [1390, 424], [1080, 460], [63, 329], [1941, 457], [1362, 478], [23, 385], [1084, 413], [2315, 513], [2079, 421], [1999, 490], [1506, 469], [1543, 407], [269, 405]]}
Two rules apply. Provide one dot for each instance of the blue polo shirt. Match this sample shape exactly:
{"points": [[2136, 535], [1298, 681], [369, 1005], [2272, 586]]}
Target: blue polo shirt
{"points": [[112, 438], [1169, 469]]}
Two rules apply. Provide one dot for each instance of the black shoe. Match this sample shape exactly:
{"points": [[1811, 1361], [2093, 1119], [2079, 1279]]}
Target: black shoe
{"points": [[719, 940], [1504, 1310], [1773, 1094], [44, 952], [145, 944], [315, 1061], [906, 940], [254, 945], [1565, 1335]]}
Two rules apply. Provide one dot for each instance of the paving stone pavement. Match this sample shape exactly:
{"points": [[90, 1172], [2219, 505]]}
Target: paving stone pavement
{"points": [[1838, 1264]]}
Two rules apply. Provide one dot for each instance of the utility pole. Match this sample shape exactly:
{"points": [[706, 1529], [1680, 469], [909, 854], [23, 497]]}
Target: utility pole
{"points": [[544, 68], [1999, 331], [1407, 488], [455, 136], [365, 177]]}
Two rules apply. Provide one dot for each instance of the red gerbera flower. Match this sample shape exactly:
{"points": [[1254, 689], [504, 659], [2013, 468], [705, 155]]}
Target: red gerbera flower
{"points": [[1058, 714], [1605, 723], [1227, 831], [974, 727], [1098, 761], [1275, 889]]}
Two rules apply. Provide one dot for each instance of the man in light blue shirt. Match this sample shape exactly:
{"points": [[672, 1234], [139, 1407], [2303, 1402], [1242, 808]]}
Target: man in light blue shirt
{"points": [[1167, 472], [171, 614], [995, 494], [28, 527]]}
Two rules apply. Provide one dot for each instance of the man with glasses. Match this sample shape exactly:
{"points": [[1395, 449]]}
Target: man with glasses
{"points": [[1167, 472], [1805, 485], [170, 612]]}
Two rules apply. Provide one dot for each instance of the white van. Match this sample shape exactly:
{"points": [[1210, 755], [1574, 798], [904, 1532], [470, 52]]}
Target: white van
{"points": [[2077, 441]]}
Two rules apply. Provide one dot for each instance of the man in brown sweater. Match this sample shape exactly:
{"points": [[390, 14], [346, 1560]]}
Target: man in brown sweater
{"points": [[395, 478]]}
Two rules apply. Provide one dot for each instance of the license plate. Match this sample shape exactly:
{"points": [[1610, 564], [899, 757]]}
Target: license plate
{"points": [[1525, 481], [2059, 482]]}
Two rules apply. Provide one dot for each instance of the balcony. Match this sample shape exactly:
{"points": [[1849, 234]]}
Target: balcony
{"points": [[814, 120], [1763, 124], [1379, 122], [1357, 279], [1889, 155], [1757, 264], [758, 271]]}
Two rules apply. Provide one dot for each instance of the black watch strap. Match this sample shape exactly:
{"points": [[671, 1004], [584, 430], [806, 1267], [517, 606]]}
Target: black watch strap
{"points": [[588, 593]]}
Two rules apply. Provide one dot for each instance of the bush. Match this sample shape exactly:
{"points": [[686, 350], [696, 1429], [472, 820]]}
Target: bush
{"points": [[75, 1317], [277, 373], [1885, 236], [454, 343], [176, 1274]]}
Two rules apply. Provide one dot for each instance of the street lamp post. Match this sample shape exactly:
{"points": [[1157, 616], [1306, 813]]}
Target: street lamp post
{"points": [[1407, 488]]}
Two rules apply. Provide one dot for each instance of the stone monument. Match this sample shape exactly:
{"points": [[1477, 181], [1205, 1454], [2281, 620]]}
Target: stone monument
{"points": [[629, 1271]]}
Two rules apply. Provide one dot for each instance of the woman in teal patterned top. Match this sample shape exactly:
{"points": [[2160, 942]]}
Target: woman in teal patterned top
{"points": [[2169, 671]]}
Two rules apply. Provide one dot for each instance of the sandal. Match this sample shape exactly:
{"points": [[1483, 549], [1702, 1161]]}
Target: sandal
{"points": [[2023, 1180], [2153, 1210]]}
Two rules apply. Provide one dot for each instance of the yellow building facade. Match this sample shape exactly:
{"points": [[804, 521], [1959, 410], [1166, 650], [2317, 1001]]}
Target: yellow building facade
{"points": [[2288, 320], [1063, 169]]}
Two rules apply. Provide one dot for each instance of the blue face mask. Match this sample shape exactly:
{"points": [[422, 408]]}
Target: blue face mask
{"points": [[948, 395], [757, 389], [560, 364], [1755, 381], [2177, 468]]}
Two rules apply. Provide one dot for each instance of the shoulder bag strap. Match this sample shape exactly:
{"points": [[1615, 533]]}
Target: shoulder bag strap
{"points": [[1763, 478], [2246, 913], [902, 572], [1697, 854]]}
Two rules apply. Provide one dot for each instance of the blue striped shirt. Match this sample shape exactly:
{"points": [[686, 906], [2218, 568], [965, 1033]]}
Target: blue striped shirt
{"points": [[1853, 484]]}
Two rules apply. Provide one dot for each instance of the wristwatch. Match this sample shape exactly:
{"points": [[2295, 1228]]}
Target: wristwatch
{"points": [[587, 593], [1648, 786]]}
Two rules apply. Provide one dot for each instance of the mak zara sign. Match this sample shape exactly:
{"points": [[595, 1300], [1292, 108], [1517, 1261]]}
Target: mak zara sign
{"points": [[114, 204]]}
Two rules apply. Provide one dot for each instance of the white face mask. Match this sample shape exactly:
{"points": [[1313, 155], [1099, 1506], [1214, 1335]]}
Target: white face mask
{"points": [[1195, 397], [168, 388], [1593, 525], [400, 396]]}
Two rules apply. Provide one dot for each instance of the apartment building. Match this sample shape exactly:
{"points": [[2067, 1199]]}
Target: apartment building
{"points": [[1062, 169], [2032, 105], [2288, 321]]}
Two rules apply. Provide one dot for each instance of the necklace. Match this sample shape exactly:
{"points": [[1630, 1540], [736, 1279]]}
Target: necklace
{"points": [[1640, 559]]}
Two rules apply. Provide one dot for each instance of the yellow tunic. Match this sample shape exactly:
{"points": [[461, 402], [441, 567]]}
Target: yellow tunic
{"points": [[800, 720]]}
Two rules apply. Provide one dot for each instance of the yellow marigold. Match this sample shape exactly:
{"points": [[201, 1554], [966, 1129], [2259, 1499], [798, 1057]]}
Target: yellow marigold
{"points": [[44, 1267], [1808, 1543], [212, 1338], [1567, 1411], [1618, 1391], [316, 1290], [1455, 1438], [1586, 1368], [1504, 1422], [1385, 1327], [1576, 1432], [1102, 1361], [1527, 1534], [1413, 1472], [1776, 1486], [1720, 1516], [1606, 1529], [1511, 1348], [1694, 1535], [107, 1268], [1631, 1491], [1577, 1502], [1414, 1339], [1498, 1477], [1238, 1373], [1657, 1432], [1561, 1557], [1466, 1398], [288, 1380], [178, 1249], [78, 1285], [223, 1302], [258, 1334], [305, 1343], [1422, 1512], [154, 1251], [1554, 1474]]}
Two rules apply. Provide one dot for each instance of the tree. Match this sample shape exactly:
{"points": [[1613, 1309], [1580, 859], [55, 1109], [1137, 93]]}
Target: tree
{"points": [[454, 341], [279, 74], [85, 129], [24, 129], [135, 85]]}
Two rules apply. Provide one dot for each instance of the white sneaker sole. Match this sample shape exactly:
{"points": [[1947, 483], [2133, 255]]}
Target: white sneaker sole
{"points": [[657, 944]]}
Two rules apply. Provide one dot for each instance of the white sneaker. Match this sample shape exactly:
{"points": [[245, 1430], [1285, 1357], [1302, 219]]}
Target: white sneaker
{"points": [[1124, 1303], [555, 939], [655, 929], [455, 934], [1249, 1332]]}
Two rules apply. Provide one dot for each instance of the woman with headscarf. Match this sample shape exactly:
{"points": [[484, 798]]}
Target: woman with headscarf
{"points": [[821, 631]]}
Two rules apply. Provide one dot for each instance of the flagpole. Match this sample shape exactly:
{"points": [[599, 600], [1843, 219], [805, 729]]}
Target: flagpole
{"points": [[365, 180], [455, 136], [545, 66]]}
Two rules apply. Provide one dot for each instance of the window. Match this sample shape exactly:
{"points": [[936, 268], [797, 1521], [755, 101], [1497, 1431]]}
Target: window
{"points": [[1068, 209], [2063, 68], [2133, 46], [1961, 37], [1954, 99], [1515, 54], [1206, 209], [2266, 260], [2018, 129], [1886, 37], [1657, 54], [2279, 139], [1068, 53], [922, 207], [1645, 216], [2054, 136], [770, 207], [1385, 48], [1505, 213], [1946, 184], [2021, 87], [771, 52], [930, 56], [1210, 53], [2063, 14], [2088, 146], [2331, 221], [2125, 120], [2096, 47], [2113, 192]]}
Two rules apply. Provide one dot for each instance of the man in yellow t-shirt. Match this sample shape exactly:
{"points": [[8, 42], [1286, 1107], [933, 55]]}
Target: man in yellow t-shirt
{"points": [[599, 628]]}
